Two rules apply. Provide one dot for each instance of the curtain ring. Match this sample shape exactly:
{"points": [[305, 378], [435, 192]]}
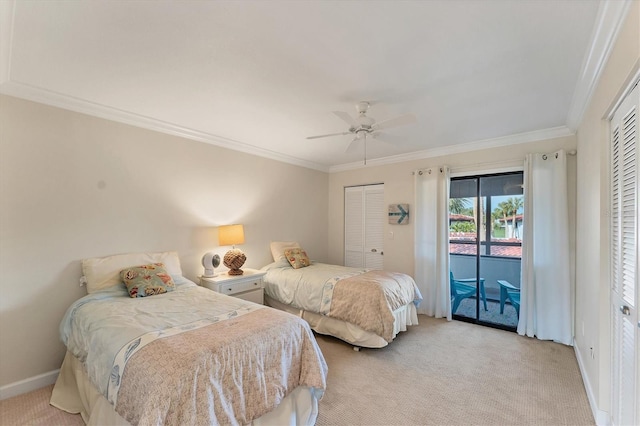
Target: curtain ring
{"points": [[544, 156], [556, 155], [420, 172], [429, 171]]}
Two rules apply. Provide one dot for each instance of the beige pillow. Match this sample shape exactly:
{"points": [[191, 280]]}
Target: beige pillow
{"points": [[278, 248], [104, 272], [297, 257]]}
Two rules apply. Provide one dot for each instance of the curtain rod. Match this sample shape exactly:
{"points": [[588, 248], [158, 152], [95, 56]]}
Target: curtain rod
{"points": [[428, 170], [570, 152], [510, 165]]}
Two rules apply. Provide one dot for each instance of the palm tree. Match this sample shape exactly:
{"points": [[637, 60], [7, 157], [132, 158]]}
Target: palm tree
{"points": [[496, 214], [516, 203], [505, 209], [458, 205]]}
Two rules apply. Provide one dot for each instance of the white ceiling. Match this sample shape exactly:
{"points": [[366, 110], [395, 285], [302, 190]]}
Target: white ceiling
{"points": [[261, 76]]}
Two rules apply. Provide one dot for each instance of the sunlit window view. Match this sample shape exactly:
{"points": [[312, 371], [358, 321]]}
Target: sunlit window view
{"points": [[505, 227], [486, 215]]}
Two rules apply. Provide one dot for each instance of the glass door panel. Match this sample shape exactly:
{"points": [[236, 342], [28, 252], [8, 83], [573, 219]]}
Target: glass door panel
{"points": [[463, 243], [486, 214]]}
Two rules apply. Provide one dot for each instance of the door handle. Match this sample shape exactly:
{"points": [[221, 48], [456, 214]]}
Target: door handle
{"points": [[625, 310]]}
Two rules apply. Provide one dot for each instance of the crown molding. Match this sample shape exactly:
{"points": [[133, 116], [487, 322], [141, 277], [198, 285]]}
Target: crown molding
{"points": [[6, 38], [535, 136], [609, 21], [47, 97], [36, 94]]}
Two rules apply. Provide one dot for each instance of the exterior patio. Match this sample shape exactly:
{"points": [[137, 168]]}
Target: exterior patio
{"points": [[504, 266]]}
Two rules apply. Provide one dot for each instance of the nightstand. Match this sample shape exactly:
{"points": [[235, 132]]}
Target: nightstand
{"points": [[247, 286]]}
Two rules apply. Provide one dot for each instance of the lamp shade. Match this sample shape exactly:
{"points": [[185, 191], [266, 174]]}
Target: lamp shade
{"points": [[230, 235]]}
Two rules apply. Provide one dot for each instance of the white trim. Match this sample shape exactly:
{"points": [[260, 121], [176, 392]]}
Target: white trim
{"points": [[601, 417], [7, 14], [489, 168], [609, 21], [627, 87], [47, 97], [535, 136], [28, 385], [610, 18]]}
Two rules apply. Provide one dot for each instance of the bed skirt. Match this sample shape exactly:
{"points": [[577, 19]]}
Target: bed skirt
{"points": [[74, 393], [404, 316]]}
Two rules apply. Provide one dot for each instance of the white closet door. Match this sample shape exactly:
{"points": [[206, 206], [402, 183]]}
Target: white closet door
{"points": [[364, 226], [354, 227], [374, 217], [625, 363]]}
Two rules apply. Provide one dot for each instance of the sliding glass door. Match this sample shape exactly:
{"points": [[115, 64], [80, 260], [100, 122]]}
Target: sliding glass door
{"points": [[485, 248]]}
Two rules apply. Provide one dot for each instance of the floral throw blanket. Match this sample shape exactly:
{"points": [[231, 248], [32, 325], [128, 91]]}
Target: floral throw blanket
{"points": [[229, 372], [369, 299]]}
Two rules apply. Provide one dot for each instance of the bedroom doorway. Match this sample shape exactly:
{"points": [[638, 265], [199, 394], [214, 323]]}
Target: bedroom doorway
{"points": [[364, 218], [485, 248]]}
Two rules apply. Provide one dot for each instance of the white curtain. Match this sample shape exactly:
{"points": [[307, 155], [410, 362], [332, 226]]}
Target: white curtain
{"points": [[545, 308], [432, 241]]}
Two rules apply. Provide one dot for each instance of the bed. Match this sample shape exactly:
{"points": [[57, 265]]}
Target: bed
{"points": [[187, 355], [366, 308]]}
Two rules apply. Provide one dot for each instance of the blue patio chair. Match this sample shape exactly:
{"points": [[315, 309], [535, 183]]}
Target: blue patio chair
{"points": [[511, 293], [463, 288]]}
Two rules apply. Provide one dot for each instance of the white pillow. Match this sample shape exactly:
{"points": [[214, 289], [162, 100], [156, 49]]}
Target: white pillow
{"points": [[278, 248], [104, 272]]}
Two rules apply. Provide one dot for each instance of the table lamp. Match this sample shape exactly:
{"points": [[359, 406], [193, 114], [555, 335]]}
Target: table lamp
{"points": [[230, 235]]}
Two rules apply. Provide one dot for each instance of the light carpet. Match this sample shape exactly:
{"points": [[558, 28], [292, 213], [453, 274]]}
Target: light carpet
{"points": [[436, 373]]}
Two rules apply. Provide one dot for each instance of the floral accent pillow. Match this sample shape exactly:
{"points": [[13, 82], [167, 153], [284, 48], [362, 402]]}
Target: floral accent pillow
{"points": [[297, 257], [147, 280]]}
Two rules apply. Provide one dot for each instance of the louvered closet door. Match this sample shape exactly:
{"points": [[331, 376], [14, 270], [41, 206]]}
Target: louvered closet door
{"points": [[625, 408], [364, 217], [374, 217], [354, 227]]}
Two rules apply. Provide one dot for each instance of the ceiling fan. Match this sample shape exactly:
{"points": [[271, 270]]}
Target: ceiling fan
{"points": [[363, 126]]}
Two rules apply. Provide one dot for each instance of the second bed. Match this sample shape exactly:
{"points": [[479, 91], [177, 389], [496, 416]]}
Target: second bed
{"points": [[366, 308]]}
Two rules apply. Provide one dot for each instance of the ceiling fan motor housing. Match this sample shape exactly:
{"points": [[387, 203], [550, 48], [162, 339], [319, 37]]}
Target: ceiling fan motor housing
{"points": [[364, 121]]}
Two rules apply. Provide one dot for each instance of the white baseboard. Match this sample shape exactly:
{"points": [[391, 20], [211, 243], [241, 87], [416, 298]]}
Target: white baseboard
{"points": [[28, 385], [601, 417]]}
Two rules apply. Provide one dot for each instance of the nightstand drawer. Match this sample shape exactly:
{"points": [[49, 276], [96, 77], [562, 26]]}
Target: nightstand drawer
{"points": [[247, 286], [239, 287]]}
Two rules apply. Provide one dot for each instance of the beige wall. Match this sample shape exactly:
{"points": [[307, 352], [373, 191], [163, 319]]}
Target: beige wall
{"points": [[592, 266], [398, 188], [74, 186]]}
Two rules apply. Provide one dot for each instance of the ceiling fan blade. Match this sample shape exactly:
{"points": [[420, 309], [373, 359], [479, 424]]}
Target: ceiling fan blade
{"points": [[346, 118], [393, 122], [353, 145], [330, 134], [382, 137]]}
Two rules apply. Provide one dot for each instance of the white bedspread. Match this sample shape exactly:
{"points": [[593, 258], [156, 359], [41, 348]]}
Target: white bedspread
{"points": [[95, 341], [302, 288], [192, 356], [366, 298]]}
